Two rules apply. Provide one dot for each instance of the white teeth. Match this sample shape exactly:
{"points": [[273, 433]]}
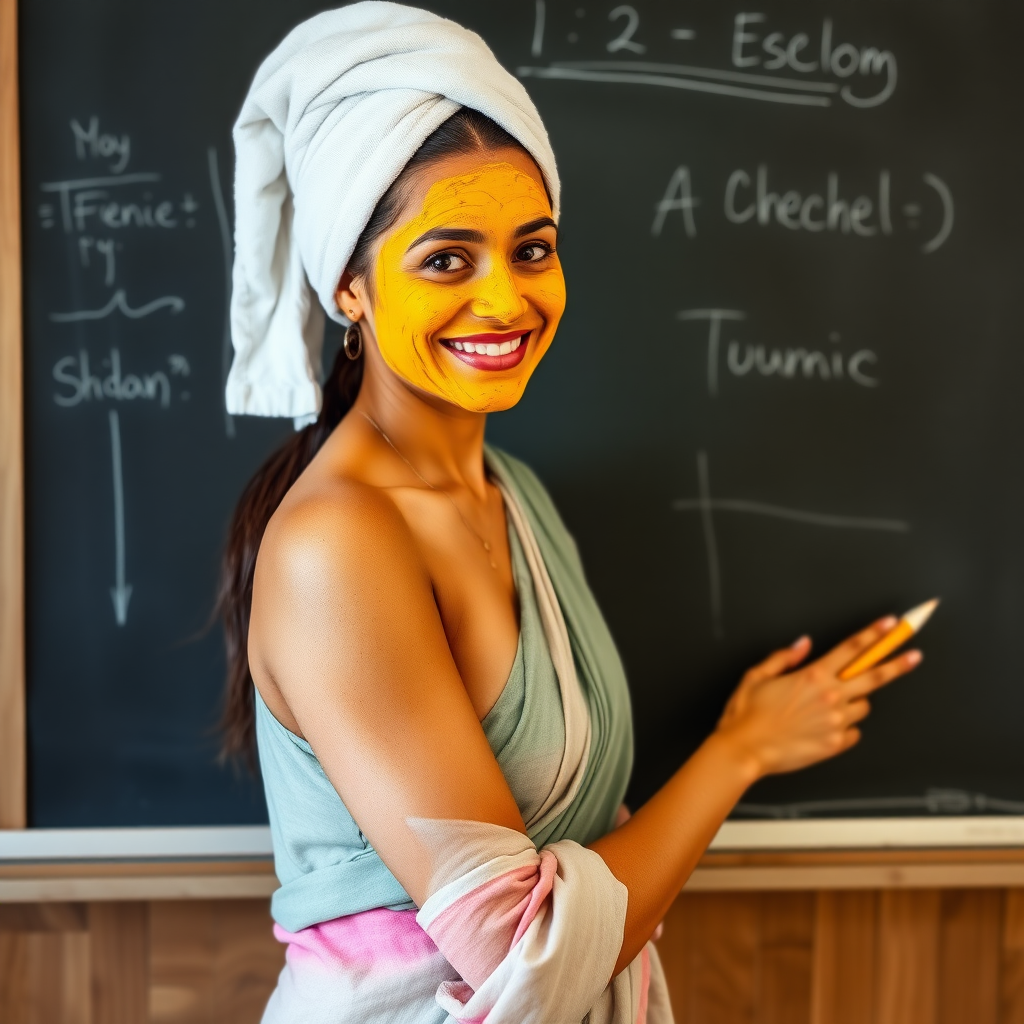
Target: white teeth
{"points": [[490, 349]]}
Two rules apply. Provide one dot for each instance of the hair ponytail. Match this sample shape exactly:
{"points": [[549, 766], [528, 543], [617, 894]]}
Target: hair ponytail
{"points": [[466, 131], [259, 501]]}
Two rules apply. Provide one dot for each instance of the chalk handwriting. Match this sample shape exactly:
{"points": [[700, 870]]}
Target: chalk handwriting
{"points": [[90, 144], [829, 364], [750, 197], [119, 302], [707, 506], [120, 592], [816, 66], [678, 196], [80, 384]]}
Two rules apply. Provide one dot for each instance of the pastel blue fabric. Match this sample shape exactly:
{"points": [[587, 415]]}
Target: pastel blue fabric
{"points": [[326, 867]]}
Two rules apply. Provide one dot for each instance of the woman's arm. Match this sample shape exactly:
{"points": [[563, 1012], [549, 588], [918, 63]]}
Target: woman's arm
{"points": [[346, 628], [775, 722]]}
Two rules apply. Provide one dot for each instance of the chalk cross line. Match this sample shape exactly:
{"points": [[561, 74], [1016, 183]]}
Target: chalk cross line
{"points": [[707, 505]]}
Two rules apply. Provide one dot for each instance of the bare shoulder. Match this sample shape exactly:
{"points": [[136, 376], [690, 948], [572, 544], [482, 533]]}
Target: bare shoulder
{"points": [[335, 531], [337, 568]]}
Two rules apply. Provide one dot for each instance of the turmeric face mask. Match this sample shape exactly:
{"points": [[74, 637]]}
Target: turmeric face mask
{"points": [[469, 292]]}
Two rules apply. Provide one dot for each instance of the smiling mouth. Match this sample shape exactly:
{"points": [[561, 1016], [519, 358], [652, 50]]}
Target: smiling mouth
{"points": [[489, 351]]}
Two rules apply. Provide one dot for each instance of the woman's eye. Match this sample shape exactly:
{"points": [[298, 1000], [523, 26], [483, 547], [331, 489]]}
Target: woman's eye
{"points": [[446, 263], [534, 252]]}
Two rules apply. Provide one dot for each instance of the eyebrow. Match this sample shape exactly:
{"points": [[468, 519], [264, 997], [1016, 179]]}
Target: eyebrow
{"points": [[534, 225], [448, 235], [470, 235]]}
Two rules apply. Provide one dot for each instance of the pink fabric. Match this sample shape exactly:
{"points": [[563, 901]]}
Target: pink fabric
{"points": [[371, 942], [645, 985], [477, 931], [541, 891]]}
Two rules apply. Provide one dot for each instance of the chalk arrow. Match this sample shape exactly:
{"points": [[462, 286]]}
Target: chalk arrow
{"points": [[121, 592]]}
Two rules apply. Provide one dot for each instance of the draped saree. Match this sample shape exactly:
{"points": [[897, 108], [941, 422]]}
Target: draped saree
{"points": [[515, 928]]}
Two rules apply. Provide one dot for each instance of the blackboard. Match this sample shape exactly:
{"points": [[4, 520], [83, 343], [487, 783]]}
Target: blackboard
{"points": [[784, 397]]}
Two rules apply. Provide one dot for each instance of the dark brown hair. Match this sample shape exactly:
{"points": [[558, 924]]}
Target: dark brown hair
{"points": [[467, 131]]}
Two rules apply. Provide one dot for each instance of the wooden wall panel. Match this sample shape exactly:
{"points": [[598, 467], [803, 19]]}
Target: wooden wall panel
{"points": [[908, 956], [786, 956], [969, 956], [119, 962], [725, 933], [843, 981], [1011, 986], [44, 964], [853, 957], [214, 962]]}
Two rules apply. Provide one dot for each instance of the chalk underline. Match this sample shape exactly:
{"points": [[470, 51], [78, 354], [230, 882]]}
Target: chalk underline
{"points": [[690, 71], [674, 82], [793, 514], [77, 184], [118, 301]]}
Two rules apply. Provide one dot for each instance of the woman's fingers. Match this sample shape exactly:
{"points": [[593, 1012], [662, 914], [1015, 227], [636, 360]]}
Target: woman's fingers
{"points": [[857, 711], [880, 675], [839, 657], [779, 662]]}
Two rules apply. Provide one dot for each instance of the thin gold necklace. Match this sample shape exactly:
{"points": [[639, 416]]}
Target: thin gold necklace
{"points": [[465, 522]]}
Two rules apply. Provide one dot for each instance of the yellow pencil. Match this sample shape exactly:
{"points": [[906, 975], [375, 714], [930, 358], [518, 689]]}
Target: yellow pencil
{"points": [[911, 622]]}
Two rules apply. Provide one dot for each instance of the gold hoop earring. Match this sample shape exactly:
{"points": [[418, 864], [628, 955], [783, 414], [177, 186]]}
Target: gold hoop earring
{"points": [[353, 343]]}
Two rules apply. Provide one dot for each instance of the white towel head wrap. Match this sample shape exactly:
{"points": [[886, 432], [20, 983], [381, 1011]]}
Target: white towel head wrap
{"points": [[332, 117]]}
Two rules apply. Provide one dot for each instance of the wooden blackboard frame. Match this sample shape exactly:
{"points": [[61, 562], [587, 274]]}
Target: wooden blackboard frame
{"points": [[13, 796], [13, 725]]}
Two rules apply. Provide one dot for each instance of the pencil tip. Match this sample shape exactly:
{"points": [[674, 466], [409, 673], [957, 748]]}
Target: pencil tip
{"points": [[918, 616]]}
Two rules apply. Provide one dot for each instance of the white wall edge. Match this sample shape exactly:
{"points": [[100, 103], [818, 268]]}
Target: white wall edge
{"points": [[254, 840], [135, 843], [870, 833]]}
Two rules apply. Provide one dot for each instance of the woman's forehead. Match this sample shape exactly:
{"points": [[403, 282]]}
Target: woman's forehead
{"points": [[475, 186]]}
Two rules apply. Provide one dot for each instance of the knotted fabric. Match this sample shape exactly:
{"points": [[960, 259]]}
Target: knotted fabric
{"points": [[332, 117]]}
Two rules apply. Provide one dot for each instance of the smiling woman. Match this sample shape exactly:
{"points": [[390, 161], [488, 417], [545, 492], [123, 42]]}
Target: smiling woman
{"points": [[441, 716], [480, 250]]}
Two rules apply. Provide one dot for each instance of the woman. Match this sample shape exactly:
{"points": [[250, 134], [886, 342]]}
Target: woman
{"points": [[442, 719]]}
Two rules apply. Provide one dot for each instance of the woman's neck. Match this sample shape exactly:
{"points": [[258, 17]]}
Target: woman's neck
{"points": [[441, 441]]}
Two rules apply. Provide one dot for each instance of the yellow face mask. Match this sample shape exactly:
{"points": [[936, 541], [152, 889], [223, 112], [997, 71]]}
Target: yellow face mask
{"points": [[469, 292]]}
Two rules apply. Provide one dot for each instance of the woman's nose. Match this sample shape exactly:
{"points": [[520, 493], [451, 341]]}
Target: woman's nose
{"points": [[498, 296]]}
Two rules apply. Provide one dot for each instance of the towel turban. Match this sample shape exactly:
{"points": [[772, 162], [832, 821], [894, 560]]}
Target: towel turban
{"points": [[331, 119]]}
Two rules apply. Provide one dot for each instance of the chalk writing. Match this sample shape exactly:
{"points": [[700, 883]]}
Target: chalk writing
{"points": [[118, 302], [79, 384], [707, 506], [120, 592], [89, 143], [749, 198], [817, 65], [785, 363]]}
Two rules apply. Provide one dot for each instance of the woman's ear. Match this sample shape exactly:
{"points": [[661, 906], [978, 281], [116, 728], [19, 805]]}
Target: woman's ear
{"points": [[349, 297]]}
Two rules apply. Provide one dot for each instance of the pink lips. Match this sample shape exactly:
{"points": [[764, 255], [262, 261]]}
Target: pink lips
{"points": [[482, 360]]}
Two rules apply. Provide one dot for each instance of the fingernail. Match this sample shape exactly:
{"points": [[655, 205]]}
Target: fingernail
{"points": [[888, 622], [799, 642], [914, 657]]}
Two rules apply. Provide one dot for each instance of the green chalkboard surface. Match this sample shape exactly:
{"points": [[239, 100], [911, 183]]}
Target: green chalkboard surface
{"points": [[785, 397]]}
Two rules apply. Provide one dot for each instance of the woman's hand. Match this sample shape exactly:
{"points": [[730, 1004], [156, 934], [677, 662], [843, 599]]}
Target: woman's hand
{"points": [[779, 720]]}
